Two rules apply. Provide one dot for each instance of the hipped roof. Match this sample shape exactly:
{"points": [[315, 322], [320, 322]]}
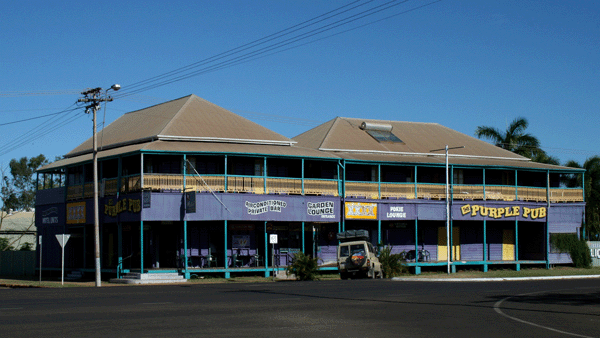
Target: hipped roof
{"points": [[421, 143], [193, 125], [189, 118]]}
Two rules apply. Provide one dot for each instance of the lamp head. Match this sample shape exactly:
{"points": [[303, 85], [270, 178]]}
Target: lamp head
{"points": [[115, 87]]}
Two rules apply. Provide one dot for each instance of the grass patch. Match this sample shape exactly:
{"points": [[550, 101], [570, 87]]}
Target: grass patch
{"points": [[508, 273], [324, 276]]}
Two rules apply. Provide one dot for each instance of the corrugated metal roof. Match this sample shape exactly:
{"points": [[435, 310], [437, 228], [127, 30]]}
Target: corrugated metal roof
{"points": [[189, 117], [195, 147], [418, 138], [193, 125], [344, 137]]}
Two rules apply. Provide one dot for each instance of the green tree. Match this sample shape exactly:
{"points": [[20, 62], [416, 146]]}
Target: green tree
{"points": [[542, 157], [513, 139], [5, 244], [18, 190], [591, 186]]}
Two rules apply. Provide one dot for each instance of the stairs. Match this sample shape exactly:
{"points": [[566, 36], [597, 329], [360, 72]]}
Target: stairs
{"points": [[149, 278]]}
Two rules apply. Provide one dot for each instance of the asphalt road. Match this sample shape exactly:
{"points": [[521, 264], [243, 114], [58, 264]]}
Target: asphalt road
{"points": [[355, 308]]}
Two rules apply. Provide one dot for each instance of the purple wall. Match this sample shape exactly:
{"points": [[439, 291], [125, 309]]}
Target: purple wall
{"points": [[165, 206]]}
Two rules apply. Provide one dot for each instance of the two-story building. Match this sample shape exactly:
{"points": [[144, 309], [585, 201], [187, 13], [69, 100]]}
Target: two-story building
{"points": [[189, 187]]}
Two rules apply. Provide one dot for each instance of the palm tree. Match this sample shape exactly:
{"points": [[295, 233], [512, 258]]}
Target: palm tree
{"points": [[591, 186], [542, 157], [513, 139]]}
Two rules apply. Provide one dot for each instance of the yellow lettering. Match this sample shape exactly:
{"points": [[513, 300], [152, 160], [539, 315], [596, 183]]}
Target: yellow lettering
{"points": [[492, 212], [526, 212], [535, 213], [500, 212], [484, 211], [542, 212], [475, 209], [516, 211]]}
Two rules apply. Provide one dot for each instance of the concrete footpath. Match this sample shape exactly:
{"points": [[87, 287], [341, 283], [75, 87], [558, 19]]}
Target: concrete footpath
{"points": [[491, 279]]}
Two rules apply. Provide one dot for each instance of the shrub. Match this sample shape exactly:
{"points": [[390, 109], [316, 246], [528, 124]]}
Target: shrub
{"points": [[577, 249], [304, 267], [391, 264]]}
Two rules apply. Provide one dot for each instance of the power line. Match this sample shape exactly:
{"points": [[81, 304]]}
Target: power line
{"points": [[173, 76], [37, 117], [38, 131], [38, 93], [239, 48]]}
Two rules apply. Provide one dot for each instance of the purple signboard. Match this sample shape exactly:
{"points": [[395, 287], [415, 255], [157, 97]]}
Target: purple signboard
{"points": [[245, 207], [50, 215], [392, 212], [479, 211]]}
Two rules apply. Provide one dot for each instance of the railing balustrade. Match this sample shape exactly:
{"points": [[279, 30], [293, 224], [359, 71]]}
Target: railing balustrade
{"points": [[431, 191], [362, 190], [500, 192], [398, 190], [321, 187], [324, 187]]}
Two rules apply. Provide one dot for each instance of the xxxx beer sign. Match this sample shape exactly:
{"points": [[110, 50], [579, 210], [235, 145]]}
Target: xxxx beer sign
{"points": [[356, 210], [503, 212]]}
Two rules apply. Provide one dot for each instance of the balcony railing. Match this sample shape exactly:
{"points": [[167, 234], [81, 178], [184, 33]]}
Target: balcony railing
{"points": [[398, 190], [566, 195], [294, 186], [321, 187]]}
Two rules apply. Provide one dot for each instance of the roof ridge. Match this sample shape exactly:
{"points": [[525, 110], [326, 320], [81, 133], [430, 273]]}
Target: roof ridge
{"points": [[174, 117], [391, 121]]}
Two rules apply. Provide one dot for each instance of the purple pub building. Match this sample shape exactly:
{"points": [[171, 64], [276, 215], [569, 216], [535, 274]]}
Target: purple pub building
{"points": [[188, 187]]}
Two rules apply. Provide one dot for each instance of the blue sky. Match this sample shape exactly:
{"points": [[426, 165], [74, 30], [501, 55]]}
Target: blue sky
{"points": [[461, 64]]}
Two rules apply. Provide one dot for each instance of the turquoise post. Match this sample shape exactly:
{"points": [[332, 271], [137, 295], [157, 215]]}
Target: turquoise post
{"points": [[265, 174], [142, 246], [185, 251], [302, 186], [266, 252], [379, 181], [485, 267], [186, 273], [484, 184], [378, 232], [119, 249], [417, 267], [518, 267], [227, 274], [416, 190], [302, 231], [225, 173]]}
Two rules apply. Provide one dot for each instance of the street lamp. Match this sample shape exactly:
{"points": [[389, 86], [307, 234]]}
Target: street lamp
{"points": [[447, 203]]}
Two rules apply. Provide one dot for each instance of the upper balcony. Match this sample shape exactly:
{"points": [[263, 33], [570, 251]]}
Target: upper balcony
{"points": [[324, 187], [260, 175]]}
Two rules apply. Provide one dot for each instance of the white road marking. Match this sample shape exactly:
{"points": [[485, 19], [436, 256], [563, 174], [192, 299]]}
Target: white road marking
{"points": [[499, 311]]}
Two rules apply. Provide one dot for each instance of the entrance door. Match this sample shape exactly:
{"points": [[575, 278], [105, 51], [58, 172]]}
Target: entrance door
{"points": [[442, 249], [442, 253], [455, 243], [508, 245]]}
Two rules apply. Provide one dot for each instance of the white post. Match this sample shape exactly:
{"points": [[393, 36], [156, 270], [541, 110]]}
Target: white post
{"points": [[40, 244], [96, 206], [62, 275]]}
